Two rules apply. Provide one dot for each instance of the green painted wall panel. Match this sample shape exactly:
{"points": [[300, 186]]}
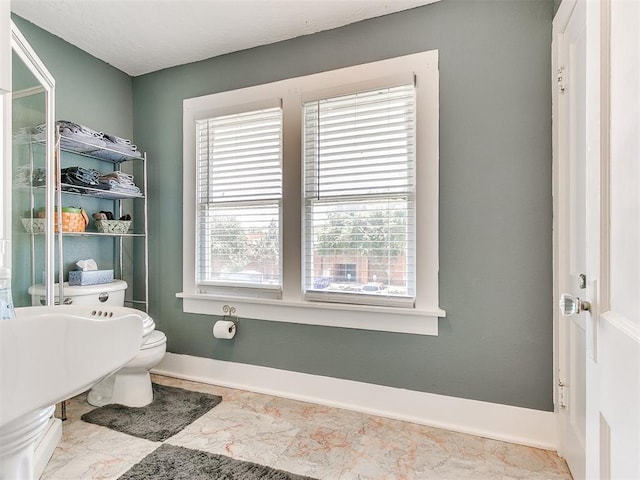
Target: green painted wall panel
{"points": [[495, 203]]}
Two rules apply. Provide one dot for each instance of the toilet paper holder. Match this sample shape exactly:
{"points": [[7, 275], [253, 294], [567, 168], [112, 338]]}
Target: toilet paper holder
{"points": [[229, 314]]}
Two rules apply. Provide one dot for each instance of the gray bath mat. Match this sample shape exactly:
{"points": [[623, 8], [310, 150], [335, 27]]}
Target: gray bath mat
{"points": [[172, 409], [169, 462]]}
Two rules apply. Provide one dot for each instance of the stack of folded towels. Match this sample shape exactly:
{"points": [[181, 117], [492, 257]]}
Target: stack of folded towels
{"points": [[119, 182], [78, 179], [74, 177], [78, 138], [120, 146]]}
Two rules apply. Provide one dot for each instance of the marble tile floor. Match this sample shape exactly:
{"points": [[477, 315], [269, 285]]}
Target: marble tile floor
{"points": [[321, 442]]}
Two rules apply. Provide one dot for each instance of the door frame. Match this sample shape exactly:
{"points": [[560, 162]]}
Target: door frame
{"points": [[559, 165]]}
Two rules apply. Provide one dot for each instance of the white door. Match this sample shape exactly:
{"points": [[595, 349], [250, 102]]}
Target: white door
{"points": [[570, 149], [614, 374], [597, 232]]}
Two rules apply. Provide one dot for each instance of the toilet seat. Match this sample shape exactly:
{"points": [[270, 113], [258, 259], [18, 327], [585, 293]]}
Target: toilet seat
{"points": [[156, 338]]}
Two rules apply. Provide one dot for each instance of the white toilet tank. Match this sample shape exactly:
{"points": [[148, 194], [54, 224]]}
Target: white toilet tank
{"points": [[102, 294]]}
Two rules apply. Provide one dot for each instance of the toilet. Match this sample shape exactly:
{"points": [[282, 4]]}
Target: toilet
{"points": [[131, 384]]}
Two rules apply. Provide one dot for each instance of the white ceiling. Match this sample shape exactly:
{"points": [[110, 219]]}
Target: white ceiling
{"points": [[142, 36]]}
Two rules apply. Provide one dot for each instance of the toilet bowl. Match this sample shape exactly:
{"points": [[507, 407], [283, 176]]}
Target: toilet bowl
{"points": [[131, 384]]}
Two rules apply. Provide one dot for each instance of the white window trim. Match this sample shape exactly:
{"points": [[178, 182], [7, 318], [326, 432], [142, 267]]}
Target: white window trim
{"points": [[292, 308]]}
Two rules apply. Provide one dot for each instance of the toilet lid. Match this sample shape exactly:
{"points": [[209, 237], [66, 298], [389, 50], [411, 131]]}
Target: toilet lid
{"points": [[156, 338]]}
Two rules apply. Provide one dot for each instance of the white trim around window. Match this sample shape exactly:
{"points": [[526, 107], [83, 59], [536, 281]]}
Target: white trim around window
{"points": [[292, 307]]}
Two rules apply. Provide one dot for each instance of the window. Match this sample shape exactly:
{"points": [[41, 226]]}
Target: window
{"points": [[315, 199], [359, 188], [239, 197]]}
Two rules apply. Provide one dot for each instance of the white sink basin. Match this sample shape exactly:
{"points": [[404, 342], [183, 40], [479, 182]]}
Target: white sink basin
{"points": [[49, 354]]}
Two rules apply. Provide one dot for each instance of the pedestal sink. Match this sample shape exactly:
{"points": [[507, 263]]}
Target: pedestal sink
{"points": [[49, 354]]}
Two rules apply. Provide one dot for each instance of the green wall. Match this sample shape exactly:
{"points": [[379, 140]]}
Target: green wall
{"points": [[495, 196], [495, 204]]}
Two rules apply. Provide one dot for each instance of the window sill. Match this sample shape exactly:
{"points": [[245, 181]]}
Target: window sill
{"points": [[384, 319]]}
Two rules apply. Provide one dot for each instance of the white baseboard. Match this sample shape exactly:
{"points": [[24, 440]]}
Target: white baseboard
{"points": [[501, 422]]}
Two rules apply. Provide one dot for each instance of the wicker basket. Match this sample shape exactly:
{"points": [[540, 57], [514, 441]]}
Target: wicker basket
{"points": [[74, 220], [113, 226]]}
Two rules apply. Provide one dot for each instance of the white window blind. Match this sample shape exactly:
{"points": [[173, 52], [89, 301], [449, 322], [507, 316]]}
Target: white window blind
{"points": [[239, 196], [359, 190]]}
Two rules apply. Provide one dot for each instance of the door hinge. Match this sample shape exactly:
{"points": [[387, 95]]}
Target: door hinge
{"points": [[561, 395], [561, 80]]}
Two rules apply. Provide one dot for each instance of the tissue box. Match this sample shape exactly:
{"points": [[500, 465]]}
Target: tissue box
{"points": [[90, 277]]}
